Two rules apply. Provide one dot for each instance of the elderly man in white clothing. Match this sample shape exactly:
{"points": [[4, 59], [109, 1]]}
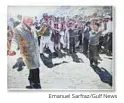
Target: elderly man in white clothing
{"points": [[26, 38]]}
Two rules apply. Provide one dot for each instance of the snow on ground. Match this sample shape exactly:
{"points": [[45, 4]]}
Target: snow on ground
{"points": [[69, 75]]}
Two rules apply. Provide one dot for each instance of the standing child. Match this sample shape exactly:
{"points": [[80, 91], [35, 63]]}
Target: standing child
{"points": [[93, 43]]}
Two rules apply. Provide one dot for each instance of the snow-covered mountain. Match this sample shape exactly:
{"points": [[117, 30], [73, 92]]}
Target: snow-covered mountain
{"points": [[70, 11], [81, 10]]}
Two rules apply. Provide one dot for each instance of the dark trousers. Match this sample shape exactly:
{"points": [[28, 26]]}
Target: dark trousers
{"points": [[108, 44], [101, 41], [85, 46], [34, 76], [93, 54], [72, 45], [80, 39], [39, 40]]}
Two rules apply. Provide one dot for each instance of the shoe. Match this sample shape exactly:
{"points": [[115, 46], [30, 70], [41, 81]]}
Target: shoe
{"points": [[29, 87], [37, 86], [15, 66], [96, 64], [34, 86], [20, 69]]}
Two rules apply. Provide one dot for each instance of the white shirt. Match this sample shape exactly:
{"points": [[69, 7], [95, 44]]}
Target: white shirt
{"points": [[109, 27]]}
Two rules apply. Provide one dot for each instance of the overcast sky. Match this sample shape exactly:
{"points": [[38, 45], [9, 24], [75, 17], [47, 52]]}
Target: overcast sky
{"points": [[30, 10]]}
